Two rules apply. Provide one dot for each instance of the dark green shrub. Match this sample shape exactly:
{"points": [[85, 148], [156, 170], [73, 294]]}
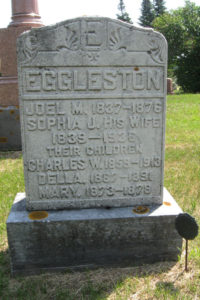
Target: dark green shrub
{"points": [[188, 70]]}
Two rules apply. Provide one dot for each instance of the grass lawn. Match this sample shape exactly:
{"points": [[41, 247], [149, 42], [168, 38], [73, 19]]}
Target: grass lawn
{"points": [[157, 281]]}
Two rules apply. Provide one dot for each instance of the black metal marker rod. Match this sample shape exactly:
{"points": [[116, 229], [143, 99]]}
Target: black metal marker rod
{"points": [[186, 256]]}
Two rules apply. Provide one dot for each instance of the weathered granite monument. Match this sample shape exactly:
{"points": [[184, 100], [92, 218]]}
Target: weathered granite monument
{"points": [[92, 103]]}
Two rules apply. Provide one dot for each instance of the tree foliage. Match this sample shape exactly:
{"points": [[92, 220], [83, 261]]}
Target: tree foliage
{"points": [[147, 13], [181, 28], [123, 16], [188, 70], [159, 7], [171, 26]]}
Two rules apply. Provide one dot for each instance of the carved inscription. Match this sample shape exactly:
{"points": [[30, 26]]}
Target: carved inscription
{"points": [[94, 148], [101, 80]]}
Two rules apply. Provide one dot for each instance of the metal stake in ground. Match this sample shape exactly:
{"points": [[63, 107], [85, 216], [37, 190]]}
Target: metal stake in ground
{"points": [[187, 228]]}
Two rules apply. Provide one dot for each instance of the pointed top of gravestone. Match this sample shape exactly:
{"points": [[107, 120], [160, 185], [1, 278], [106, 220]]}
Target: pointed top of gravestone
{"points": [[99, 35]]}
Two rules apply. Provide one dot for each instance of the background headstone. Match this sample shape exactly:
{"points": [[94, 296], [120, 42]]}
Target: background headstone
{"points": [[169, 86]]}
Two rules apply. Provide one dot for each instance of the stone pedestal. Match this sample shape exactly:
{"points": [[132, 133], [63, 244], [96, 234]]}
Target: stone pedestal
{"points": [[88, 238]]}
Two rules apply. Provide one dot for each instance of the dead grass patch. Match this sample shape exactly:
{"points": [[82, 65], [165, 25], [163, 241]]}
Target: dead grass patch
{"points": [[10, 160], [179, 146], [109, 279]]}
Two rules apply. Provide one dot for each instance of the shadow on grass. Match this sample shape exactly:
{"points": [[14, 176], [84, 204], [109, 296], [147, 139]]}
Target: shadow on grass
{"points": [[4, 259], [90, 284], [10, 154], [4, 271], [99, 284]]}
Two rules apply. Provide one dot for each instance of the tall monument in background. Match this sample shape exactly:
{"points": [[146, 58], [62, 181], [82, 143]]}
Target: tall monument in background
{"points": [[25, 15]]}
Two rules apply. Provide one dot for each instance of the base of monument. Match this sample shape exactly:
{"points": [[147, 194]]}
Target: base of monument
{"points": [[89, 238]]}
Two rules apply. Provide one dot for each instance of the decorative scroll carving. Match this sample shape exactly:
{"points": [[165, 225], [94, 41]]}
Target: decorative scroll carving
{"points": [[157, 50], [71, 41], [75, 37], [30, 49], [115, 38]]}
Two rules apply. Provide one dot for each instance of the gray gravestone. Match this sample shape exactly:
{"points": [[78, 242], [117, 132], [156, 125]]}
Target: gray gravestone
{"points": [[92, 103], [92, 98]]}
